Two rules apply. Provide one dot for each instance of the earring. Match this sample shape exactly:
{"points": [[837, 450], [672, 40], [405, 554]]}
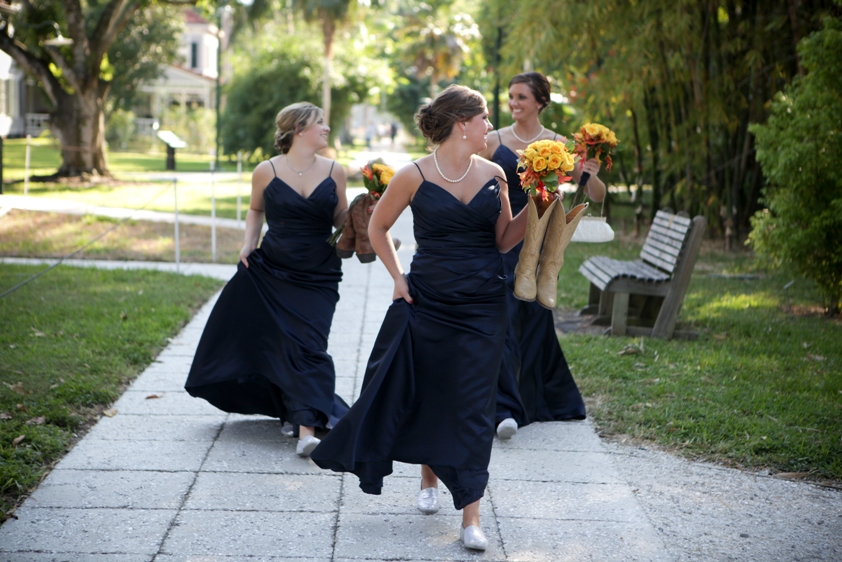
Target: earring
{"points": [[464, 136]]}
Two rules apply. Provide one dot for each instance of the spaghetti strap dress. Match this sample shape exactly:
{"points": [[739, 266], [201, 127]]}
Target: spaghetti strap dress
{"points": [[535, 382], [264, 348], [428, 396]]}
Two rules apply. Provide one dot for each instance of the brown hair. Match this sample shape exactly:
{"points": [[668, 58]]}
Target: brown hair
{"points": [[454, 104], [538, 85], [291, 120]]}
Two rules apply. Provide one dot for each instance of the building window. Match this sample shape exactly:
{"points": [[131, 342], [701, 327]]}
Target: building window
{"points": [[194, 55]]}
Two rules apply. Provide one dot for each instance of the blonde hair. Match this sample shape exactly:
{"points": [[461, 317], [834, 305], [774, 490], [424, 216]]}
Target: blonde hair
{"points": [[454, 104], [292, 120]]}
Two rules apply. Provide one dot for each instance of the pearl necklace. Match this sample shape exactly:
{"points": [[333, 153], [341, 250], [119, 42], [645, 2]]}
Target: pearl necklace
{"points": [[301, 173], [527, 141], [436, 160]]}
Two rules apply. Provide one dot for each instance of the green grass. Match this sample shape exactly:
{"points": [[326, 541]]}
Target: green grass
{"points": [[70, 342], [194, 197], [760, 388]]}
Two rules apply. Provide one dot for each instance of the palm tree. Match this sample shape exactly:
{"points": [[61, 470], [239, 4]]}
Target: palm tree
{"points": [[330, 14], [436, 42]]}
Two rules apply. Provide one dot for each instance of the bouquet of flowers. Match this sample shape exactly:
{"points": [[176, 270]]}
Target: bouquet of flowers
{"points": [[376, 177], [544, 165], [593, 141]]}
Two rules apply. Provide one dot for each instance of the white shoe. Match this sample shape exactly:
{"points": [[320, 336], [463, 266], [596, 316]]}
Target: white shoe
{"points": [[507, 429], [287, 430], [306, 445], [473, 537], [428, 500]]}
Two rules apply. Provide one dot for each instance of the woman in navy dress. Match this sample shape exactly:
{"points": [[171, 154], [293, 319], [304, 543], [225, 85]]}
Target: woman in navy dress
{"points": [[264, 348], [535, 383], [429, 390]]}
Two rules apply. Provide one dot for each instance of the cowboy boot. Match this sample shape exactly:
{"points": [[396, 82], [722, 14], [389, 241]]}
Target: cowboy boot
{"points": [[559, 233], [346, 243], [358, 213], [527, 263]]}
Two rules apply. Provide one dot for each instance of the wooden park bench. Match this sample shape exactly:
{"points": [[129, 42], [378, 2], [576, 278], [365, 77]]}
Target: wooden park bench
{"points": [[643, 297]]}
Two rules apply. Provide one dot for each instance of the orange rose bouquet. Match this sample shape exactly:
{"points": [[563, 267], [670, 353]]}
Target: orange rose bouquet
{"points": [[595, 141], [376, 177], [542, 166]]}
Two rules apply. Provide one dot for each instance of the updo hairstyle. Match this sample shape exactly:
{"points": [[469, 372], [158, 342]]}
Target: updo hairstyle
{"points": [[291, 120], [538, 85], [455, 104]]}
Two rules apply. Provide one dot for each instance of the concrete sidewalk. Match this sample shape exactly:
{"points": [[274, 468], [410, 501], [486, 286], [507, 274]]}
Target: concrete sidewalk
{"points": [[170, 478]]}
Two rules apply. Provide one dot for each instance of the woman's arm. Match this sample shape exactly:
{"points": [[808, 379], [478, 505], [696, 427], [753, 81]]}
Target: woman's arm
{"points": [[509, 230], [260, 178], [595, 188], [340, 214], [392, 203]]}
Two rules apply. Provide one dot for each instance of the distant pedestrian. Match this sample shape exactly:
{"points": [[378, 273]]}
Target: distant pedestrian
{"points": [[393, 131], [370, 133]]}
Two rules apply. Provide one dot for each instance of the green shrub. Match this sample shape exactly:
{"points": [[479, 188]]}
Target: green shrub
{"points": [[120, 129], [800, 148]]}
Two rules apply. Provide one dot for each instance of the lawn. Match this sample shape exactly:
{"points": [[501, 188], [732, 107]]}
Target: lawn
{"points": [[194, 195], [71, 342], [761, 387]]}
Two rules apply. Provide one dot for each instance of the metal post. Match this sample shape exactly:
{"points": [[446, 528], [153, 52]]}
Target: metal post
{"points": [[26, 167], [239, 186], [497, 45], [213, 213], [218, 76], [177, 239]]}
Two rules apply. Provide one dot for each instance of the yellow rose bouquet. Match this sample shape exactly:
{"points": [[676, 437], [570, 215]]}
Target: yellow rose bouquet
{"points": [[542, 166]]}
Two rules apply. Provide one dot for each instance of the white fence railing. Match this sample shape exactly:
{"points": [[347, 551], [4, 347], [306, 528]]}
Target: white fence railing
{"points": [[36, 123]]}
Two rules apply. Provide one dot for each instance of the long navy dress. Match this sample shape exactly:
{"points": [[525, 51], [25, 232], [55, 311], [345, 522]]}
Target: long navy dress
{"points": [[428, 396], [264, 348], [535, 383]]}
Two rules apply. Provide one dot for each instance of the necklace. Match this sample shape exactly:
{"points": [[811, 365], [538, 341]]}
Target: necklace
{"points": [[528, 141], [301, 173], [436, 160]]}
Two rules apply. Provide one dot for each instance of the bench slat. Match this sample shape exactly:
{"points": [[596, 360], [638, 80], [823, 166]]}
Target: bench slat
{"points": [[663, 240], [668, 232], [656, 261], [675, 219]]}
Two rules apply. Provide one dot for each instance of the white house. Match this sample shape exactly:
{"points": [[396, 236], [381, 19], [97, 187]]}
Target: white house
{"points": [[190, 81]]}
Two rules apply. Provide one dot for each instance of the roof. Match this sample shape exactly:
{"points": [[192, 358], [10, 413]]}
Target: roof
{"points": [[192, 16]]}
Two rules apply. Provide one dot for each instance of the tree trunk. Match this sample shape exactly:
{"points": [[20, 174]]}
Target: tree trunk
{"points": [[79, 123], [329, 30]]}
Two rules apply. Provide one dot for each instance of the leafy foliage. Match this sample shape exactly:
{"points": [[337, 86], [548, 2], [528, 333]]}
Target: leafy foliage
{"points": [[287, 69], [800, 148]]}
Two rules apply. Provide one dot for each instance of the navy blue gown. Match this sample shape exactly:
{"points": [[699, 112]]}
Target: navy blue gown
{"points": [[264, 348], [535, 383], [428, 396]]}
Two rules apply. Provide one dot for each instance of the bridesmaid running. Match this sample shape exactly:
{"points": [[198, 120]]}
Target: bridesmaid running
{"points": [[535, 383], [264, 348], [429, 390]]}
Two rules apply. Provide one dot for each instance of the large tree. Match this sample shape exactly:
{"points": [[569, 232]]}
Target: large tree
{"points": [[76, 78]]}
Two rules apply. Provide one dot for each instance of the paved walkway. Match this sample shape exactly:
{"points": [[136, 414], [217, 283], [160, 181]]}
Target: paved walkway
{"points": [[170, 478]]}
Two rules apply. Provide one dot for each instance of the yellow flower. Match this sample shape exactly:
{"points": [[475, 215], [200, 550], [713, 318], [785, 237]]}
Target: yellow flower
{"points": [[593, 129], [386, 177], [544, 151], [556, 148], [567, 163], [539, 164], [554, 161], [530, 153]]}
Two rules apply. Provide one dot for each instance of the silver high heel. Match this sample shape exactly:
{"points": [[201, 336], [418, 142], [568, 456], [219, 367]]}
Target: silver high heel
{"points": [[473, 537], [428, 500]]}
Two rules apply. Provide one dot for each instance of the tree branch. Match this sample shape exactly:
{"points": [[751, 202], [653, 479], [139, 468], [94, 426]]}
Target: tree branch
{"points": [[76, 28], [118, 19], [33, 65]]}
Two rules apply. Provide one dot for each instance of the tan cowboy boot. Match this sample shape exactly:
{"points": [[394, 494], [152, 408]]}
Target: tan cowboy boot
{"points": [[559, 233], [527, 263]]}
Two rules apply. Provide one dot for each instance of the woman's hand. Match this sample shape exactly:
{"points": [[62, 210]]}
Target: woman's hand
{"points": [[401, 289], [591, 166], [245, 253]]}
